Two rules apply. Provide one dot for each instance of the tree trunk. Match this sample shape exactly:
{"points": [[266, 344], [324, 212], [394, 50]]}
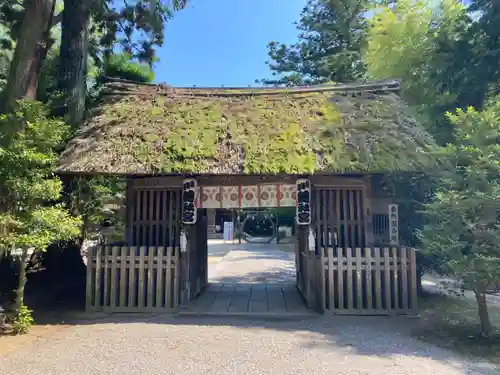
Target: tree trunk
{"points": [[482, 309], [73, 58], [42, 49], [29, 53], [22, 281]]}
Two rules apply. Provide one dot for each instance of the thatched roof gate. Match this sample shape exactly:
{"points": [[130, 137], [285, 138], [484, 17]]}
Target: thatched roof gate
{"points": [[151, 129]]}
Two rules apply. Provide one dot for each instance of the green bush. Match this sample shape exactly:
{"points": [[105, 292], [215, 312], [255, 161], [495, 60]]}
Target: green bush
{"points": [[122, 66], [22, 321]]}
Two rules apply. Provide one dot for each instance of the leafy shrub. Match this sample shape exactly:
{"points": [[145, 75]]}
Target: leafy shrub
{"points": [[22, 321], [122, 66], [30, 218]]}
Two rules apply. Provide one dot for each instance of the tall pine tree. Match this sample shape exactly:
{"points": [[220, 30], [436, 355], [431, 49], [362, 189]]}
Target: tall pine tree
{"points": [[331, 37], [136, 26]]}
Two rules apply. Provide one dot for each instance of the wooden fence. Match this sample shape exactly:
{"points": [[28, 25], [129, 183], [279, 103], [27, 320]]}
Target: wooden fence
{"points": [[369, 281], [132, 279]]}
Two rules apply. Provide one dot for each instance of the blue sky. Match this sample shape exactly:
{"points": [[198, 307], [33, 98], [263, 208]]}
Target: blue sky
{"points": [[223, 42]]}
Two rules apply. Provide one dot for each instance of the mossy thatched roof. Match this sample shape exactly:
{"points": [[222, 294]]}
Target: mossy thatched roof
{"points": [[150, 129]]}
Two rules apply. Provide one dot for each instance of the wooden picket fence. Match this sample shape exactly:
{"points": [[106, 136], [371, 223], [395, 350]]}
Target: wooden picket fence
{"points": [[369, 281], [132, 279]]}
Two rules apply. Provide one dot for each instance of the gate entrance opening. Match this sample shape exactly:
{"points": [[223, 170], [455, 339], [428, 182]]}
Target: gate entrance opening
{"points": [[250, 278], [251, 266]]}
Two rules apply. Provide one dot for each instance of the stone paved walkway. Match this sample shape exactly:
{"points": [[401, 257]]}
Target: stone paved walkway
{"points": [[250, 278], [264, 300], [252, 263]]}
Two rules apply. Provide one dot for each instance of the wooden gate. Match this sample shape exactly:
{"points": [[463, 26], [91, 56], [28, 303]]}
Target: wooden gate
{"points": [[368, 281], [337, 220], [308, 268], [349, 277], [145, 274], [126, 279]]}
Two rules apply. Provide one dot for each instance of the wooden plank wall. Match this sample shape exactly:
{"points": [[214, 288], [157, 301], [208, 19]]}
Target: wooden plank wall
{"points": [[338, 217], [128, 279], [369, 281], [155, 217]]}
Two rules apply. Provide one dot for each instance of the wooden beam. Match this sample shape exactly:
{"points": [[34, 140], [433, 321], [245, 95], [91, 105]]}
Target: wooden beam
{"points": [[368, 219], [129, 212], [319, 180], [157, 182], [245, 180], [334, 181]]}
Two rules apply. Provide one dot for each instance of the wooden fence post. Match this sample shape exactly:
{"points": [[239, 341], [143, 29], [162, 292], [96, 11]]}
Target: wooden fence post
{"points": [[90, 271]]}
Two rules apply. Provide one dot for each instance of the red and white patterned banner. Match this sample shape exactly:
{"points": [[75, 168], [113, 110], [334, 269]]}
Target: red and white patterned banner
{"points": [[251, 196]]}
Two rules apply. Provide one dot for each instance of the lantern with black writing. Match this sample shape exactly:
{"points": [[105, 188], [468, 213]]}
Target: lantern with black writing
{"points": [[189, 198], [303, 212]]}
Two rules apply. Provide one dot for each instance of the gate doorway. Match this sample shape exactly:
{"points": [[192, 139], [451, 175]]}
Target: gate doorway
{"points": [[253, 275]]}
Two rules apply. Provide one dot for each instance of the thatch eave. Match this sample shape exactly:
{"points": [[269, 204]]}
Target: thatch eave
{"points": [[156, 129]]}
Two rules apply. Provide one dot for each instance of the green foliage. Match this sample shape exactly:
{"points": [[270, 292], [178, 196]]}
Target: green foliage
{"points": [[421, 44], [88, 198], [27, 158], [122, 66], [446, 57], [23, 321], [4, 70], [485, 36], [329, 47], [11, 13], [411, 191], [30, 216], [463, 224], [6, 45], [137, 26]]}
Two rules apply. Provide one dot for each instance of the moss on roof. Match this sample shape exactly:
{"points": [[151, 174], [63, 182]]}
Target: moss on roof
{"points": [[143, 129]]}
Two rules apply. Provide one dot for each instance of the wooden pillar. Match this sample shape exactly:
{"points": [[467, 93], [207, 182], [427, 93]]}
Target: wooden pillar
{"points": [[188, 263], [200, 278], [297, 255], [320, 282], [204, 251], [306, 267], [129, 212], [368, 218]]}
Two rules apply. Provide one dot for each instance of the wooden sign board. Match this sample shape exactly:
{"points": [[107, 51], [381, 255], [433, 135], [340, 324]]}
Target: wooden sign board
{"points": [[393, 224]]}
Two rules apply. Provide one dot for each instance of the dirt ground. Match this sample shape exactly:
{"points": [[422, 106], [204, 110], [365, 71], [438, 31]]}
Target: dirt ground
{"points": [[10, 343]]}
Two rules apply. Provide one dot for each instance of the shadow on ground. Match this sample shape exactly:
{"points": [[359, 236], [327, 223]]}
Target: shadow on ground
{"points": [[270, 275], [367, 336], [390, 337]]}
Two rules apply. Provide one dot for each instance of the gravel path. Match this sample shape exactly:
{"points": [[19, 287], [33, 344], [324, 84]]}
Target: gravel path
{"points": [[160, 345], [168, 345]]}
